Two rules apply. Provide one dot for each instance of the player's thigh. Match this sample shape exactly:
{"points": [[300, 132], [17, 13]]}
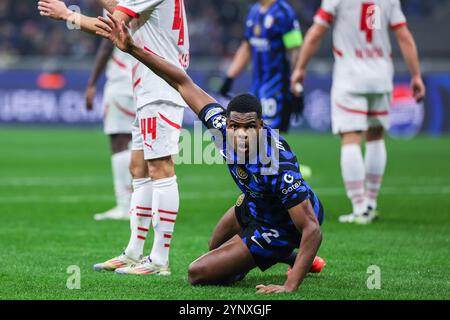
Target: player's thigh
{"points": [[349, 112], [160, 126], [226, 228], [119, 113], [378, 120], [230, 259]]}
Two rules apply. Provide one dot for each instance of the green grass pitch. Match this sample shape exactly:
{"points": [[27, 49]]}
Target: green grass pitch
{"points": [[53, 180]]}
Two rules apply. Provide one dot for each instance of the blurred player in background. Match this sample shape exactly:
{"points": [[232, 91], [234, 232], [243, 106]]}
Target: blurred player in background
{"points": [[119, 114], [272, 40], [277, 212], [160, 27], [362, 88]]}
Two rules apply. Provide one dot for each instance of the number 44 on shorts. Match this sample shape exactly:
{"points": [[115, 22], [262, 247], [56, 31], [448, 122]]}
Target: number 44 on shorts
{"points": [[148, 127]]}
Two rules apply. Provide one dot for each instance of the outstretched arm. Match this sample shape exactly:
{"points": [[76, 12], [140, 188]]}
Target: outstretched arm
{"points": [[58, 10], [109, 5], [305, 221], [118, 33]]}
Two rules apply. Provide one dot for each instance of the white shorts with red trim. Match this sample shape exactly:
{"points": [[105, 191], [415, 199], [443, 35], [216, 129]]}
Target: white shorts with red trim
{"points": [[157, 128], [119, 112], [359, 111]]}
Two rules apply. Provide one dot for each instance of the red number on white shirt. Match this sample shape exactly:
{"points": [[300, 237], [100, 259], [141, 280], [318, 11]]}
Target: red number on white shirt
{"points": [[178, 20], [367, 20]]}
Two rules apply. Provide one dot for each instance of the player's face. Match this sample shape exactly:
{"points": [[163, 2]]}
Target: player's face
{"points": [[244, 128]]}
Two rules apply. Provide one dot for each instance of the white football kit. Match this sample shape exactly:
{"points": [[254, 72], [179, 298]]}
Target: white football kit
{"points": [[160, 27], [119, 110], [363, 70]]}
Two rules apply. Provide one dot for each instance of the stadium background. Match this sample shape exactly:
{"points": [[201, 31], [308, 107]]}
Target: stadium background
{"points": [[54, 164]]}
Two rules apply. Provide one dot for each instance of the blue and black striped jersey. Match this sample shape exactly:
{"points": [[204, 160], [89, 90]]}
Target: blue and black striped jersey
{"points": [[271, 187], [270, 34]]}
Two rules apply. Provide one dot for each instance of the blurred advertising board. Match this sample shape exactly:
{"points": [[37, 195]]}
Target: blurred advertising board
{"points": [[34, 97]]}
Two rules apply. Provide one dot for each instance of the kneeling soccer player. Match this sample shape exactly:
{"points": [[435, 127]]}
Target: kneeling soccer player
{"points": [[278, 212]]}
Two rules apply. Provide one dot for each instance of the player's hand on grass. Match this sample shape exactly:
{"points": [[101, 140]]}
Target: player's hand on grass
{"points": [[297, 80], [91, 91], [418, 88], [271, 288], [116, 32], [53, 9]]}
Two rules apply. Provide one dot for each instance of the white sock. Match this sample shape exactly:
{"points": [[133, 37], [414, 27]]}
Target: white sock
{"points": [[375, 158], [122, 179], [140, 217], [353, 173], [166, 203]]}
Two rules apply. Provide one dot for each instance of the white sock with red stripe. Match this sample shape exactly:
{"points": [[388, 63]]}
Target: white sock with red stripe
{"points": [[353, 173], [375, 158], [122, 179], [140, 217], [166, 202]]}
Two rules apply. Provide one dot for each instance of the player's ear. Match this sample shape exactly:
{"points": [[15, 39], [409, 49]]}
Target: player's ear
{"points": [[261, 123]]}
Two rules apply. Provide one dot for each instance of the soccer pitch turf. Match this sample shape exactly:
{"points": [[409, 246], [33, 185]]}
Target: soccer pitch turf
{"points": [[52, 180]]}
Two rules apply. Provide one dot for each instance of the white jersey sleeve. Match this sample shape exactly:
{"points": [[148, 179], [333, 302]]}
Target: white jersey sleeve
{"points": [[326, 13], [397, 18], [134, 8]]}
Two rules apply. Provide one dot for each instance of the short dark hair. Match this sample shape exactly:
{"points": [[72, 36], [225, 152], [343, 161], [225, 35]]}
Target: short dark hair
{"points": [[244, 103]]}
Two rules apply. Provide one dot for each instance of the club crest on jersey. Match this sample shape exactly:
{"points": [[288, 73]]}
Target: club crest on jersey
{"points": [[268, 22], [241, 173], [257, 30]]}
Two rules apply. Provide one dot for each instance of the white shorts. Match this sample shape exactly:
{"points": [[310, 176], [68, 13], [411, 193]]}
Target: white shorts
{"points": [[359, 111], [119, 113], [156, 129]]}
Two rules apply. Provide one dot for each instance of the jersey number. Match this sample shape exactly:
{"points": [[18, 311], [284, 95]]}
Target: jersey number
{"points": [[370, 19], [269, 107], [148, 127], [273, 233], [178, 20]]}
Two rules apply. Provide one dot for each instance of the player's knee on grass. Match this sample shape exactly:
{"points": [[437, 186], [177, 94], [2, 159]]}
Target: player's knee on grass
{"points": [[375, 133], [161, 168], [197, 273]]}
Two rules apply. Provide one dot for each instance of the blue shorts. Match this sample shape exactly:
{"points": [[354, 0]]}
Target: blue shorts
{"points": [[268, 244]]}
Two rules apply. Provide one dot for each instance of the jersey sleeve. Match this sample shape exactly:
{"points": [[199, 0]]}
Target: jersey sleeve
{"points": [[397, 18], [291, 189], [134, 8], [213, 117], [327, 12], [290, 29]]}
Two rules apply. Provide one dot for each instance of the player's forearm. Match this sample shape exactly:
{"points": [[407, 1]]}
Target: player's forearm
{"points": [[409, 51], [294, 54], [109, 5], [310, 243], [240, 60], [101, 60], [312, 43], [85, 23], [193, 95]]}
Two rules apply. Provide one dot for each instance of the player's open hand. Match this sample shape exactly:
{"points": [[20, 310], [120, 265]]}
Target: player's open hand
{"points": [[53, 9], [297, 80], [115, 31], [271, 288], [418, 88]]}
